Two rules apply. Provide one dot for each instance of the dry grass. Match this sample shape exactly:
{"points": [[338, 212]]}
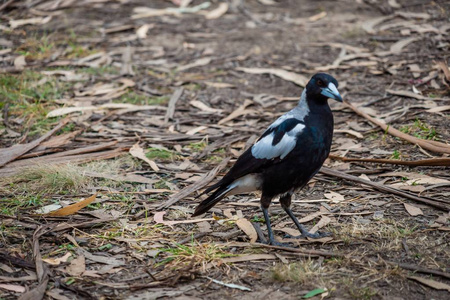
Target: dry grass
{"points": [[32, 186], [305, 271], [194, 254], [42, 179]]}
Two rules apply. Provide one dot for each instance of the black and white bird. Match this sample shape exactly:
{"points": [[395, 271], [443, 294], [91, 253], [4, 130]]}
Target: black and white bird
{"points": [[287, 155]]}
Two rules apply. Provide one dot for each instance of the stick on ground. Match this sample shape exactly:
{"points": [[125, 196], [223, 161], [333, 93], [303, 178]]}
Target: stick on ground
{"points": [[385, 189]]}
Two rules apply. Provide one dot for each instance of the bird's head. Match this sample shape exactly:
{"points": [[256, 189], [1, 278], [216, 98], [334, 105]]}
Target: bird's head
{"points": [[323, 86]]}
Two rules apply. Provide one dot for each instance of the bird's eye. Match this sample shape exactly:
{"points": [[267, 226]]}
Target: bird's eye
{"points": [[320, 83]]}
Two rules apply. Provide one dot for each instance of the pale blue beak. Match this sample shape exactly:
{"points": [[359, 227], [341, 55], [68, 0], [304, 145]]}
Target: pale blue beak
{"points": [[332, 92]]}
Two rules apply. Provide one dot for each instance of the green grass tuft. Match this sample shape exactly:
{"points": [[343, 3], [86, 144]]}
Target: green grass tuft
{"points": [[138, 99], [159, 154]]}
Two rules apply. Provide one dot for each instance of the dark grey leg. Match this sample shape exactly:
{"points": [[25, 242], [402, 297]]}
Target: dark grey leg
{"points": [[286, 203], [269, 230]]}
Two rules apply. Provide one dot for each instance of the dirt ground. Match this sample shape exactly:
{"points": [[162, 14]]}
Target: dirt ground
{"points": [[141, 104]]}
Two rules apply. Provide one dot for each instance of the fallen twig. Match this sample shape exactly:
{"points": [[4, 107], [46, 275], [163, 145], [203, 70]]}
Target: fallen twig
{"points": [[428, 145], [9, 154], [420, 269], [412, 95], [229, 285], [16, 261], [64, 226], [41, 269], [445, 161], [386, 189], [196, 186], [303, 251], [172, 102]]}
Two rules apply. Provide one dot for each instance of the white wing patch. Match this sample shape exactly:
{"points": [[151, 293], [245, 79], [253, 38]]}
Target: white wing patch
{"points": [[264, 148]]}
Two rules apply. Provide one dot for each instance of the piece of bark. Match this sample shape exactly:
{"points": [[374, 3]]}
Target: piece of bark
{"points": [[172, 103], [386, 189], [196, 186], [9, 154], [444, 161], [425, 144], [14, 168]]}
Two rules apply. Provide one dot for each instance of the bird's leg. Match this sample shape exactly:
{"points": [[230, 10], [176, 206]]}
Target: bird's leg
{"points": [[285, 201], [265, 202], [269, 230]]}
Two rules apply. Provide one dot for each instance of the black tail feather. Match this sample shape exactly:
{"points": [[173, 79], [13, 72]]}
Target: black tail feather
{"points": [[209, 202], [209, 189]]}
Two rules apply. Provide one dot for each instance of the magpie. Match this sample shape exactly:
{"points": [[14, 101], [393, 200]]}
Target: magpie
{"points": [[287, 155]]}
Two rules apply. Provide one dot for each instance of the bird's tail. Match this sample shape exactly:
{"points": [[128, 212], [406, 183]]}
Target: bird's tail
{"points": [[212, 200]]}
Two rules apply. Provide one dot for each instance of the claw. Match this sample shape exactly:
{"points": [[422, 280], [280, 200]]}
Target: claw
{"points": [[305, 235], [275, 243]]}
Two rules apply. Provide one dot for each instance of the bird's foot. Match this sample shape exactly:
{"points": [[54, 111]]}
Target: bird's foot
{"points": [[279, 244], [275, 243], [307, 234]]}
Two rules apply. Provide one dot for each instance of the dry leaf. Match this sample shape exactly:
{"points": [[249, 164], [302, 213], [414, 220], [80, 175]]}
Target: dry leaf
{"points": [[57, 294], [248, 257], [439, 109], [71, 209], [138, 152], [283, 259], [204, 226], [369, 25], [77, 266], [444, 67], [317, 17], [267, 2], [57, 261], [325, 239], [365, 177], [412, 210], [203, 106], [218, 12], [141, 32], [412, 95], [412, 15], [19, 62], [397, 47], [195, 130], [238, 112], [310, 217], [145, 12], [198, 63], [36, 293], [68, 110], [289, 231], [220, 85], [107, 260], [286, 75], [227, 213], [158, 218], [335, 197], [394, 4], [33, 21], [247, 227], [431, 283], [443, 219], [349, 131], [13, 287], [324, 221], [67, 75], [48, 208]]}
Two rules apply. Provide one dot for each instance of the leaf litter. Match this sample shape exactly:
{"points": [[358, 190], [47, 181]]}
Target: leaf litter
{"points": [[152, 78]]}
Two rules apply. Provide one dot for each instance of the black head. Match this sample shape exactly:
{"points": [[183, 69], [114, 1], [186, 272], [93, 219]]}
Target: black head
{"points": [[323, 86]]}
